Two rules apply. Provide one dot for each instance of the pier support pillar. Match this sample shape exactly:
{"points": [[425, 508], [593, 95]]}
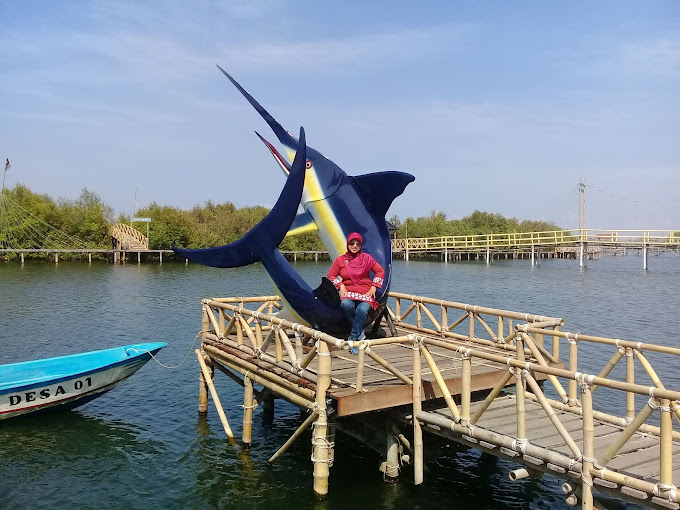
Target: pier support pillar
{"points": [[391, 466], [533, 255], [160, 253], [583, 254], [644, 257], [488, 255], [321, 446], [22, 259], [248, 406], [56, 258]]}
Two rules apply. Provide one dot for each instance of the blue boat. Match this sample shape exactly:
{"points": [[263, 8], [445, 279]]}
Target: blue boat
{"points": [[66, 382]]}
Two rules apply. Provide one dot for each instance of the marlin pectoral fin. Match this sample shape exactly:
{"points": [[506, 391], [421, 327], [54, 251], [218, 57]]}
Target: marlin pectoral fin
{"points": [[303, 223], [264, 237], [381, 188], [283, 164]]}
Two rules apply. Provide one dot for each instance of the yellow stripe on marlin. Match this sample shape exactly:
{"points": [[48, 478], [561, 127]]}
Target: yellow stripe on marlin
{"points": [[334, 203]]}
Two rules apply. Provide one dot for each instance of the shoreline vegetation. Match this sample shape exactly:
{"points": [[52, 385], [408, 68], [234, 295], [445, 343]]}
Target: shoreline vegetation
{"points": [[88, 220]]}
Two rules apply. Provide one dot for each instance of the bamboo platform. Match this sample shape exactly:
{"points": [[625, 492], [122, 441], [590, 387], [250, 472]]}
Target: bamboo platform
{"points": [[478, 376]]}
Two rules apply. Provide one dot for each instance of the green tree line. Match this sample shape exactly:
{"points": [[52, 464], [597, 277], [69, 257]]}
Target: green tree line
{"points": [[88, 219]]}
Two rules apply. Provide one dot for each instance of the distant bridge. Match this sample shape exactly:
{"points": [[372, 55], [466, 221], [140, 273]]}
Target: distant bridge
{"points": [[581, 243]]}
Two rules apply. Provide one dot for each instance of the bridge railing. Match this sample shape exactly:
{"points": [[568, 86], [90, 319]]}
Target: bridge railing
{"points": [[124, 233], [516, 240], [519, 350]]}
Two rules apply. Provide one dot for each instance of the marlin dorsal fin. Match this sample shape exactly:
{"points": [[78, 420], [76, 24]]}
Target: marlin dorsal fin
{"points": [[381, 188]]}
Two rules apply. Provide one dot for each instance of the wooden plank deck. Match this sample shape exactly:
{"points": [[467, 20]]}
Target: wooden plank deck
{"points": [[383, 390]]}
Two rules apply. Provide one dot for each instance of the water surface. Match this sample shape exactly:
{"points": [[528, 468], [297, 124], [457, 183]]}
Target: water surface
{"points": [[142, 445]]}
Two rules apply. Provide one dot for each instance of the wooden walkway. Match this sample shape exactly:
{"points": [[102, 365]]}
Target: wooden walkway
{"points": [[434, 372]]}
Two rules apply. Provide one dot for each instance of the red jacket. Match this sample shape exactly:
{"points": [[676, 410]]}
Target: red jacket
{"points": [[339, 275]]}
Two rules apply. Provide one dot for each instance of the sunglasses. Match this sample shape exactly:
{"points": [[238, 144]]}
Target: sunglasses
{"points": [[354, 243]]}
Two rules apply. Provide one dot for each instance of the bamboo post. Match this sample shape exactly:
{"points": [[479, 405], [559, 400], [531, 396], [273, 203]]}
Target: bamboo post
{"points": [[292, 438], [258, 332], [239, 329], [630, 378], [519, 386], [445, 319], [556, 344], [320, 444], [279, 345], [216, 398], [419, 315], [500, 329], [417, 408], [248, 406], [360, 369], [471, 325], [666, 458], [573, 367], [221, 321], [466, 386], [588, 447]]}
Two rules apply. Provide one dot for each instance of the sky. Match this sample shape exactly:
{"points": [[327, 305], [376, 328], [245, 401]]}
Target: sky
{"points": [[494, 106]]}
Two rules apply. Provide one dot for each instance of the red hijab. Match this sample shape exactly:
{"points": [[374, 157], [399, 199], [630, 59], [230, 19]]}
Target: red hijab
{"points": [[357, 264]]}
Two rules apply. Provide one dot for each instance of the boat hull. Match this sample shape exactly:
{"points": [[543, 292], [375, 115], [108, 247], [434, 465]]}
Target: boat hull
{"points": [[68, 381]]}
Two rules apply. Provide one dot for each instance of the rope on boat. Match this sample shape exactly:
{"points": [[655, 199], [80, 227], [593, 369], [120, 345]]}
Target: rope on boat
{"points": [[166, 366]]}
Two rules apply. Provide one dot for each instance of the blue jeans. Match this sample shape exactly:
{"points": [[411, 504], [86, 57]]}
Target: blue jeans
{"points": [[355, 313]]}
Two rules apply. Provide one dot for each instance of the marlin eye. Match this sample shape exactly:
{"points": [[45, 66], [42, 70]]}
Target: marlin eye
{"points": [[308, 164]]}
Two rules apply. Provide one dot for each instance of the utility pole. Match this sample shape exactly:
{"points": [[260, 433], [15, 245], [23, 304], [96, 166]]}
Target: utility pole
{"points": [[582, 221]]}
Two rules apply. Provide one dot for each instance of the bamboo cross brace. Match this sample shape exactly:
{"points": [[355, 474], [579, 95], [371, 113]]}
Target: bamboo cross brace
{"points": [[431, 317], [625, 435], [295, 435], [502, 383], [405, 314], [248, 331], [386, 364], [287, 345], [216, 398], [541, 361], [440, 382], [486, 327], [458, 322], [561, 430], [213, 321], [260, 309], [609, 366]]}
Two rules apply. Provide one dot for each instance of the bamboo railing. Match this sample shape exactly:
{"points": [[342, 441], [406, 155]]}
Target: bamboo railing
{"points": [[516, 343], [519, 240]]}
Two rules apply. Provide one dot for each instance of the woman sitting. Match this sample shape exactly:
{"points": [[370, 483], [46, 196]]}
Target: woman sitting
{"points": [[350, 274]]}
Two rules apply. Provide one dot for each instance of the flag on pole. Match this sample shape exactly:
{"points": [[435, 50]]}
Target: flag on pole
{"points": [[7, 165]]}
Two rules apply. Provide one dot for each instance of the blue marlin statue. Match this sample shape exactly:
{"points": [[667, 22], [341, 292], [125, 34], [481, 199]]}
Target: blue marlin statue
{"points": [[334, 204]]}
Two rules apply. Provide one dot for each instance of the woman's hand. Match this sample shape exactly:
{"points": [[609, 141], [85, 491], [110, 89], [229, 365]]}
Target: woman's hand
{"points": [[343, 291], [371, 292]]}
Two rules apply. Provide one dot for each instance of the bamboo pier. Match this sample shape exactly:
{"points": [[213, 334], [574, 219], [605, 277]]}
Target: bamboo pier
{"points": [[510, 384]]}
